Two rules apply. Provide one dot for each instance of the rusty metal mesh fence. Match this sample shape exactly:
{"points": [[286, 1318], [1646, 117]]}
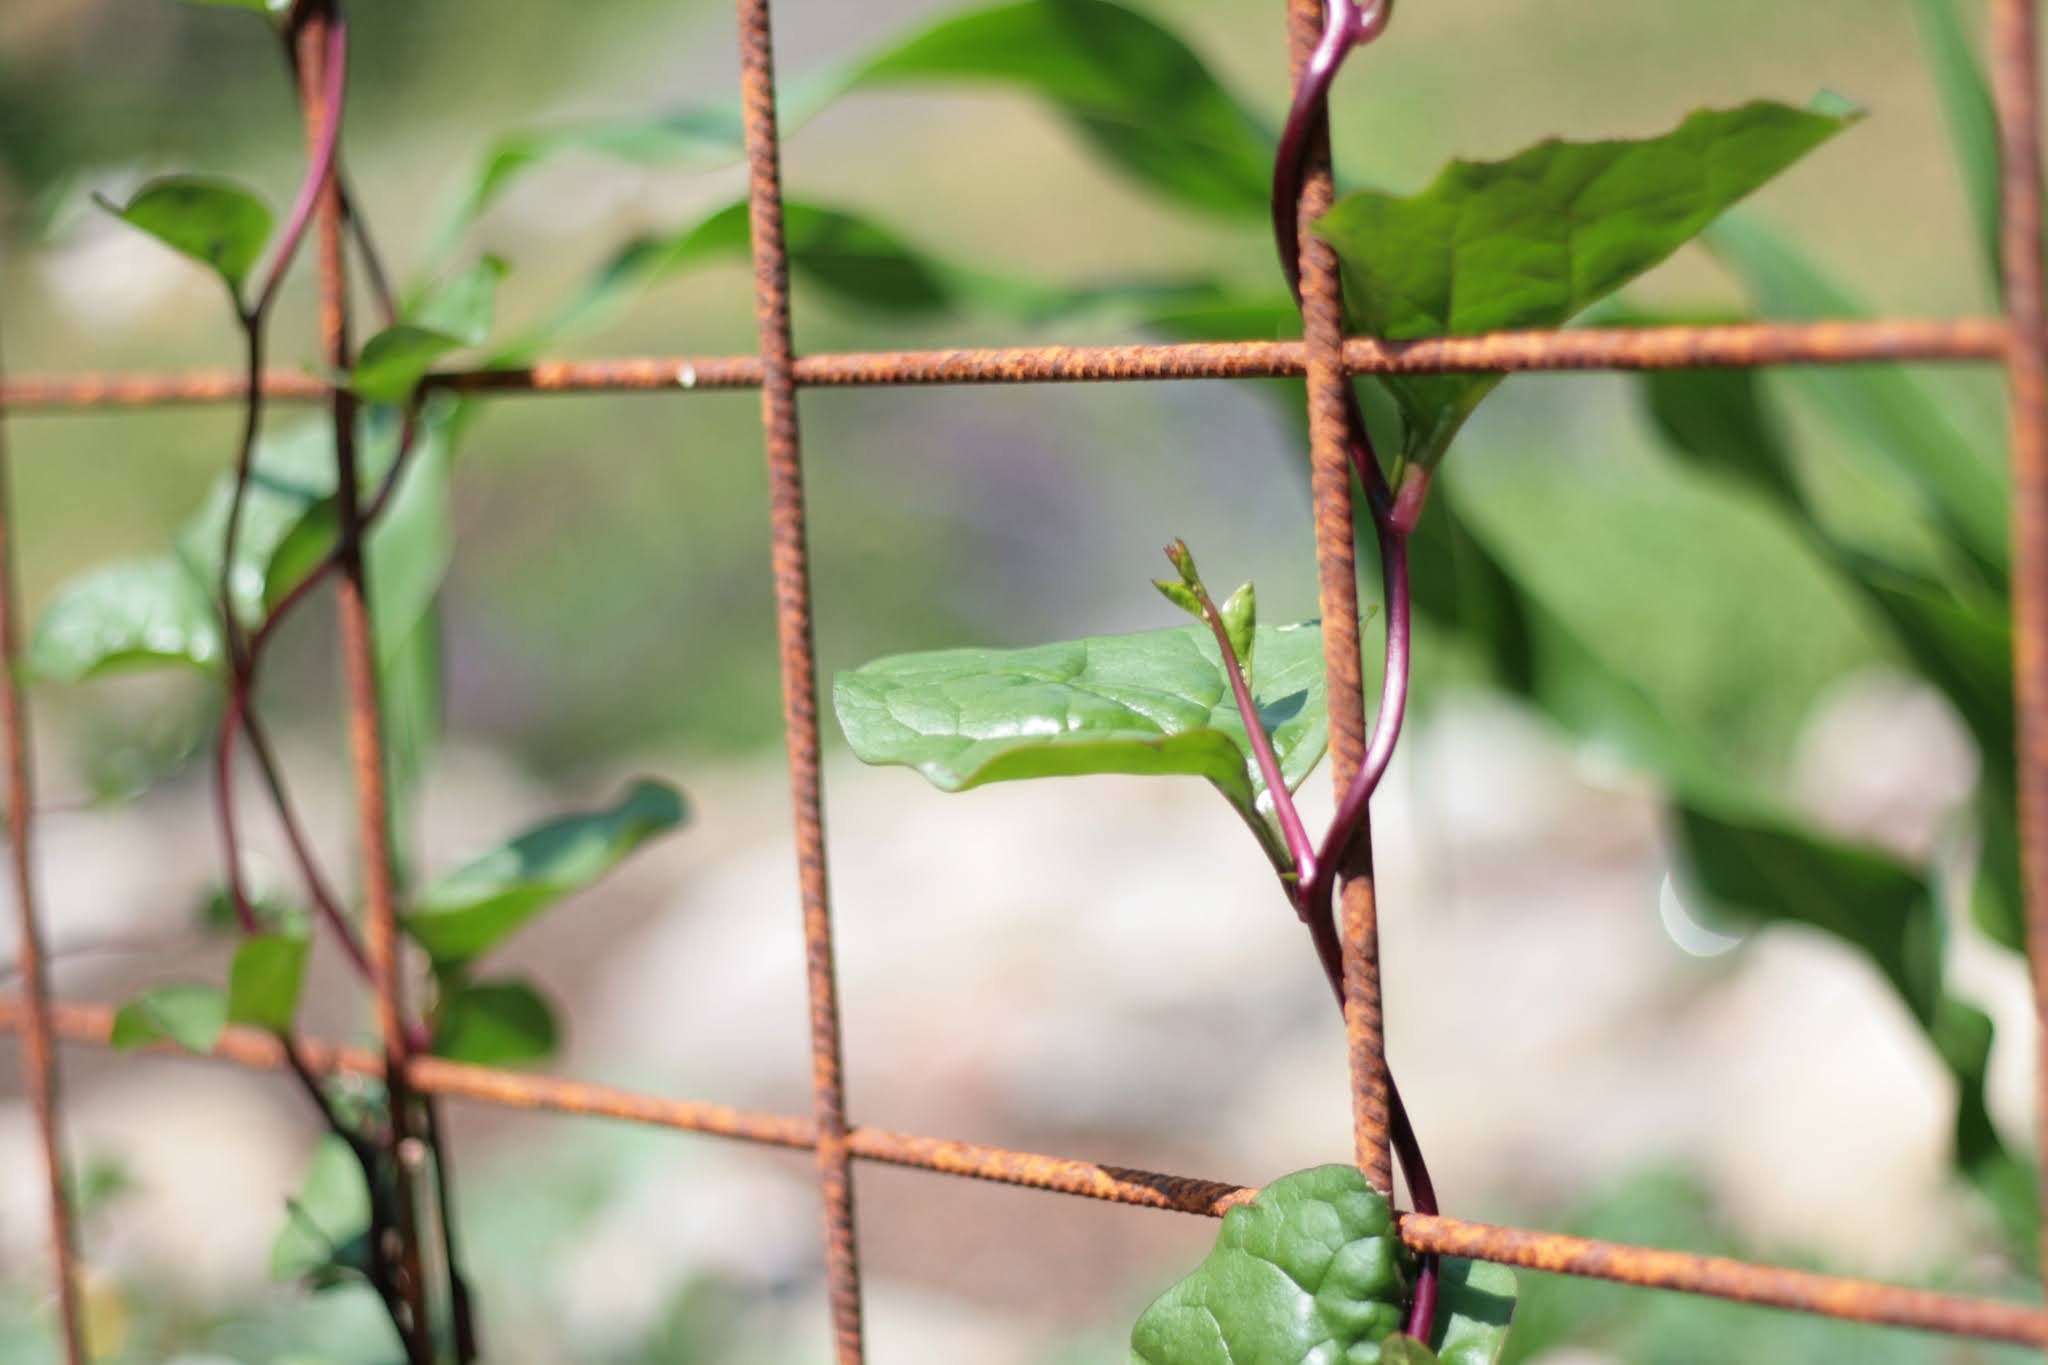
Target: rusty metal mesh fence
{"points": [[1326, 359]]}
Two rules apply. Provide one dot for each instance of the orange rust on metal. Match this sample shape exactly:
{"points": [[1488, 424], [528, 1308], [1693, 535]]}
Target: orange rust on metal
{"points": [[1742, 345], [1798, 1291], [1769, 1286], [1329, 431], [366, 743], [2016, 74], [1064, 1175], [791, 560], [38, 1055]]}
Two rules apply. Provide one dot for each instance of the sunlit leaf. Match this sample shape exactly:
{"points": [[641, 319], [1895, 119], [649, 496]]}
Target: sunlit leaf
{"points": [[467, 912], [1154, 703], [1536, 239], [1308, 1272]]}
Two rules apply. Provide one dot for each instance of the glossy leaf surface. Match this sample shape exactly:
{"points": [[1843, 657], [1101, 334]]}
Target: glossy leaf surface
{"points": [[1151, 703], [467, 912], [1310, 1272], [1534, 240], [218, 224], [135, 614]]}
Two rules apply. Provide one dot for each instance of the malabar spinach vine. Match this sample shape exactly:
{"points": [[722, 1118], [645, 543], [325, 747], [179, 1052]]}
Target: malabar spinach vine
{"points": [[1528, 242]]}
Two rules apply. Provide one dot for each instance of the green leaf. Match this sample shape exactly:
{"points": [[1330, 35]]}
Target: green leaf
{"points": [[464, 305], [190, 1016], [1972, 120], [327, 1222], [447, 319], [1250, 1301], [215, 222], [393, 362], [1475, 1301], [1140, 96], [1151, 703], [1883, 410], [136, 614], [291, 475], [1536, 239], [857, 260], [1240, 613], [466, 913], [494, 1023], [1402, 1349], [265, 979], [1997, 896]]}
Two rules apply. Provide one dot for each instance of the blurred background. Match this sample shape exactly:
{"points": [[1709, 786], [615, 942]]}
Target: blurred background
{"points": [[1099, 967]]}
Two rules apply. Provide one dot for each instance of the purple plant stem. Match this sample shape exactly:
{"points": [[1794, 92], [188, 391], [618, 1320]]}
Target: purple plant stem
{"points": [[1394, 515], [1393, 707], [1299, 846], [318, 170]]}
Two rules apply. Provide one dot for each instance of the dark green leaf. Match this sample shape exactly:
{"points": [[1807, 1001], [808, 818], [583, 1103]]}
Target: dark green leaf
{"points": [[1536, 239], [494, 1023], [1152, 703], [1139, 94], [326, 1222], [216, 223], [1475, 1302], [857, 260], [1997, 897], [1972, 119], [1250, 1302], [466, 913], [1884, 411], [264, 982], [190, 1016], [138, 614]]}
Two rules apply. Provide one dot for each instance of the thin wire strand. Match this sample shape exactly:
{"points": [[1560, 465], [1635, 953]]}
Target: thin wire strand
{"points": [[1738, 345], [1830, 1296]]}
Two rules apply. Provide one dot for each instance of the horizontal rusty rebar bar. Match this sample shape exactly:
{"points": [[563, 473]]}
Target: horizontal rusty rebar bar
{"points": [[1829, 1296], [1647, 348]]}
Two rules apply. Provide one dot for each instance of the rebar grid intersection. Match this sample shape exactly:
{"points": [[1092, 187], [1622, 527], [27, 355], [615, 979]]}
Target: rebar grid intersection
{"points": [[2019, 340]]}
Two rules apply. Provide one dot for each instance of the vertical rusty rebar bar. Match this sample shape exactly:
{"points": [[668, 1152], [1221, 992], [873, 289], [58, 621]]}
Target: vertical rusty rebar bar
{"points": [[365, 737], [2016, 75], [38, 1053], [1322, 320], [791, 558]]}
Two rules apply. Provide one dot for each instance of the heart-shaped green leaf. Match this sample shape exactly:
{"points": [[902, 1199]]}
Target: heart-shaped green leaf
{"points": [[219, 224], [1534, 240], [1475, 1301], [494, 1023], [190, 1016], [1151, 703], [137, 614], [264, 981], [1309, 1273], [466, 913]]}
